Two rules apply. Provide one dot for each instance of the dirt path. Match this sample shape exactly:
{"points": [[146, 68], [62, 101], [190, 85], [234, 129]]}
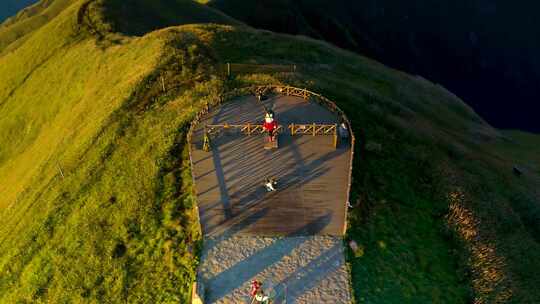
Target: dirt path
{"points": [[301, 269]]}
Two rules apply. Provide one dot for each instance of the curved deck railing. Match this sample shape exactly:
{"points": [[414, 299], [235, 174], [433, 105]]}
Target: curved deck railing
{"points": [[288, 91]]}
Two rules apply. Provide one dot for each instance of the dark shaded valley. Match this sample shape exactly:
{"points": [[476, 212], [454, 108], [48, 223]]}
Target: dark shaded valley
{"points": [[483, 51]]}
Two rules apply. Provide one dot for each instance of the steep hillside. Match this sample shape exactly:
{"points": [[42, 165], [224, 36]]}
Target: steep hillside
{"points": [[92, 201], [484, 51], [95, 199]]}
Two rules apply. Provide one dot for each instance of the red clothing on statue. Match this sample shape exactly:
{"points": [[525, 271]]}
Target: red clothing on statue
{"points": [[255, 286], [270, 126]]}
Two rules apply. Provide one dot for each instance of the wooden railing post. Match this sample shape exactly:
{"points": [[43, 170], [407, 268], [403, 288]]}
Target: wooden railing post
{"points": [[228, 69], [314, 129], [335, 136], [207, 145], [195, 297]]}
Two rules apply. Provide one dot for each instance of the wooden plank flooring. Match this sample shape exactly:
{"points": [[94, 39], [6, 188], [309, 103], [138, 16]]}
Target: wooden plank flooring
{"points": [[312, 175]]}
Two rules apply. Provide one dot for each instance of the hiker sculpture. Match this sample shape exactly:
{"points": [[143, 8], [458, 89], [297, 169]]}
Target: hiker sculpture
{"points": [[270, 126]]}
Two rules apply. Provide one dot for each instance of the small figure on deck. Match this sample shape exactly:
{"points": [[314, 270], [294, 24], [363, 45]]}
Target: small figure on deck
{"points": [[343, 131], [270, 184], [270, 125], [206, 142], [257, 294], [262, 298], [254, 288]]}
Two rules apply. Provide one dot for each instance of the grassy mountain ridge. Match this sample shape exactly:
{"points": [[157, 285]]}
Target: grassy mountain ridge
{"points": [[96, 205], [72, 205]]}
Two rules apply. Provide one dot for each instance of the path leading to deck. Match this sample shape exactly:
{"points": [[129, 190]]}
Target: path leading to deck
{"points": [[292, 238]]}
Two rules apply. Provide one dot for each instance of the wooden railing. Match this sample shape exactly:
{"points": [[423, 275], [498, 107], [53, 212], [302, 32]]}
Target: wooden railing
{"points": [[313, 129], [295, 129], [248, 129], [289, 91], [230, 69]]}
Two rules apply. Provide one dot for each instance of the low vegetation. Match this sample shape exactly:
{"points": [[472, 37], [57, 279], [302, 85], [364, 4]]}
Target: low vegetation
{"points": [[96, 202]]}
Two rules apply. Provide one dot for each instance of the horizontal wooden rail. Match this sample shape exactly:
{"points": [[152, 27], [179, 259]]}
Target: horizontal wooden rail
{"points": [[231, 69], [296, 129], [313, 129], [248, 129]]}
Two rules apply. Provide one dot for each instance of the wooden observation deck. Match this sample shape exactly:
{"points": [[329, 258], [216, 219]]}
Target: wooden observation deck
{"points": [[313, 174]]}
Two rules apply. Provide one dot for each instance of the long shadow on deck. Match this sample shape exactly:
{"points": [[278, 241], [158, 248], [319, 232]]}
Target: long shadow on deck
{"points": [[251, 194]]}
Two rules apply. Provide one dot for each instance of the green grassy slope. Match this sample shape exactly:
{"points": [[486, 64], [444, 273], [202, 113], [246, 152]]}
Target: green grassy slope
{"points": [[92, 200], [527, 154], [95, 199]]}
